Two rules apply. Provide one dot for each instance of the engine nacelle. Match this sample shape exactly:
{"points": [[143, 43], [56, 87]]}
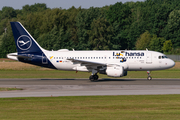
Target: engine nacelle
{"points": [[116, 71]]}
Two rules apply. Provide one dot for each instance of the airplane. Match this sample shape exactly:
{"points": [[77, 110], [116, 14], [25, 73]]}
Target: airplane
{"points": [[113, 63]]}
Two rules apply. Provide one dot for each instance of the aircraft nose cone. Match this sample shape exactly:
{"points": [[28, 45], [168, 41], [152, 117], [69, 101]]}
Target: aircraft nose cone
{"points": [[172, 63]]}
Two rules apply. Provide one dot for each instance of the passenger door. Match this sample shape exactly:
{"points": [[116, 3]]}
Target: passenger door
{"points": [[148, 58]]}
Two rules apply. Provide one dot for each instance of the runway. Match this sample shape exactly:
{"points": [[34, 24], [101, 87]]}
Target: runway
{"points": [[83, 87]]}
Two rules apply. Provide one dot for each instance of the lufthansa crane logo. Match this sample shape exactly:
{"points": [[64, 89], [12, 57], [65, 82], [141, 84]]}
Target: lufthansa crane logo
{"points": [[24, 42]]}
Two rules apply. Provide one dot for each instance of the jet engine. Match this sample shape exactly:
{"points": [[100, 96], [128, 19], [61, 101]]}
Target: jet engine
{"points": [[115, 71]]}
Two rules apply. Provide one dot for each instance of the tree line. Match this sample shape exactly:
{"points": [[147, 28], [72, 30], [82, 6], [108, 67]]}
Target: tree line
{"points": [[152, 24]]}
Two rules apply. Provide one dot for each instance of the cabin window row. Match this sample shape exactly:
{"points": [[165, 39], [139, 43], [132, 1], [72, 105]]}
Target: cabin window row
{"points": [[96, 57], [127, 57], [81, 57]]}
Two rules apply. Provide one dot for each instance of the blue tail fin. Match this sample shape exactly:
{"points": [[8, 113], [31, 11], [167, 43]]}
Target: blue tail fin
{"points": [[25, 43]]}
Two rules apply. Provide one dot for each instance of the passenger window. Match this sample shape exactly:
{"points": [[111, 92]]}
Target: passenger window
{"points": [[159, 57], [162, 57]]}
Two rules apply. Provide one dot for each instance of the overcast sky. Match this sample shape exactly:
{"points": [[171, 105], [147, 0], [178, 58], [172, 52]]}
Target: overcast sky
{"points": [[65, 4]]}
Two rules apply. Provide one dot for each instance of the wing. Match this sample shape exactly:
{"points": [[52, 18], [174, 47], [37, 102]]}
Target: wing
{"points": [[87, 63]]}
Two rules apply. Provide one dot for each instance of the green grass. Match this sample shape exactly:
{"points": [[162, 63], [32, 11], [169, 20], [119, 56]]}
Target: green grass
{"points": [[140, 107], [9, 89], [73, 74]]}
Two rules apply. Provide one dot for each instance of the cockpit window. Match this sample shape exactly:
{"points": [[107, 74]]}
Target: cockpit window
{"points": [[162, 57]]}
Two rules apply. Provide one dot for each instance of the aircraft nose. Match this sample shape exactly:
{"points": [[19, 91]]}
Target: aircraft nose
{"points": [[171, 63]]}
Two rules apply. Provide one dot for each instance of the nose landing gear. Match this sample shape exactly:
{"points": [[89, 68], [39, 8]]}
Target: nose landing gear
{"points": [[149, 77]]}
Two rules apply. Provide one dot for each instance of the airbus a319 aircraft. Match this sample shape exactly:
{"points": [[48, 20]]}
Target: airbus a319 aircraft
{"points": [[113, 63]]}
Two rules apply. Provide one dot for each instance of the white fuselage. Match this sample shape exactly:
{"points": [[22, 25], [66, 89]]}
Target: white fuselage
{"points": [[135, 60]]}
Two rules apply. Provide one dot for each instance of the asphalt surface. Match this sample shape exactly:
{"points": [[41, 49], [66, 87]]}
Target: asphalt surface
{"points": [[84, 87]]}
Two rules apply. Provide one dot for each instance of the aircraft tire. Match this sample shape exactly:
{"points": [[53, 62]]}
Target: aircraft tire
{"points": [[93, 78], [149, 78], [96, 77]]}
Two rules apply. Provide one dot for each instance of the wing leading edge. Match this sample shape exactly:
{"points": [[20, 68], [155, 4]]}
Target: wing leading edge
{"points": [[87, 63]]}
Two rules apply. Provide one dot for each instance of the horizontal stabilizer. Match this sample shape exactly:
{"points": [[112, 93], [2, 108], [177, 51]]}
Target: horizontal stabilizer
{"points": [[15, 56], [20, 56]]}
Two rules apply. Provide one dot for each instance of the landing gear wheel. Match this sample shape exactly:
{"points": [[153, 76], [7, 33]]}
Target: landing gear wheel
{"points": [[96, 77], [93, 78], [149, 78]]}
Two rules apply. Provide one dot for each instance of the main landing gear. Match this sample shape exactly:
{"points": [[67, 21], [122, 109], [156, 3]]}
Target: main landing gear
{"points": [[94, 77], [149, 77]]}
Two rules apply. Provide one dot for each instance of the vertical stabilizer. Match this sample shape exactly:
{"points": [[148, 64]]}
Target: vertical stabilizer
{"points": [[25, 43]]}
